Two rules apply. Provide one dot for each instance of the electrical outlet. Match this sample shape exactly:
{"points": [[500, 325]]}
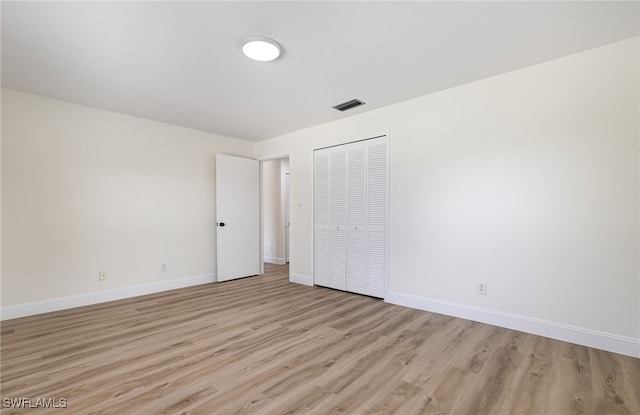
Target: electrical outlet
{"points": [[164, 267], [481, 288], [102, 274]]}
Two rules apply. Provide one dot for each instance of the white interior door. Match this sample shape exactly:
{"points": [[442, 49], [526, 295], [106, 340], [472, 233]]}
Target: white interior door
{"points": [[238, 217]]}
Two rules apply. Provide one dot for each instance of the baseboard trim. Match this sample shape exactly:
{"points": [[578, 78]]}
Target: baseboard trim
{"points": [[274, 260], [605, 341], [301, 279], [63, 303]]}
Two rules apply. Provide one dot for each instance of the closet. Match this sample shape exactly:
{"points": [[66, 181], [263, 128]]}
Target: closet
{"points": [[351, 188]]}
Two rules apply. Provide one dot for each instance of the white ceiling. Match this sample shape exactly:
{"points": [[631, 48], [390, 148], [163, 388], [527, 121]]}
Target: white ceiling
{"points": [[180, 62]]}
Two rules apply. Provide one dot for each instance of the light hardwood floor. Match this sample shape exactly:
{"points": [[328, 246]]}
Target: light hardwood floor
{"points": [[262, 345]]}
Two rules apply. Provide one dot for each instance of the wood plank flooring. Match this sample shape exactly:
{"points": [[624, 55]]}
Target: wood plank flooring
{"points": [[262, 345]]}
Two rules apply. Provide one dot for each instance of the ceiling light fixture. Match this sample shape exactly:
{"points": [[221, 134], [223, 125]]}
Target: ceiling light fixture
{"points": [[261, 48]]}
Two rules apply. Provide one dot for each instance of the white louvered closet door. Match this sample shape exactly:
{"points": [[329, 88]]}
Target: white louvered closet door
{"points": [[321, 246], [356, 214], [338, 218], [350, 216], [377, 206]]}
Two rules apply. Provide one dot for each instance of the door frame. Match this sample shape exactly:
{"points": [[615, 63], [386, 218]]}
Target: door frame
{"points": [[261, 160]]}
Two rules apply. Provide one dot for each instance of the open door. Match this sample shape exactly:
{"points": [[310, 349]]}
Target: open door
{"points": [[238, 217]]}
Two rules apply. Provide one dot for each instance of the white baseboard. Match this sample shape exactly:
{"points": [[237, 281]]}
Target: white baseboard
{"points": [[605, 341], [301, 279], [274, 260], [63, 303]]}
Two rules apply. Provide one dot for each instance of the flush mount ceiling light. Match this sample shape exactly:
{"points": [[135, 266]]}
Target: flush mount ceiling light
{"points": [[261, 48]]}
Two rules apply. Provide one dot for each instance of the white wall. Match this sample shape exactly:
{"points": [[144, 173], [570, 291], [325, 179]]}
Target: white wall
{"points": [[84, 188], [528, 181], [272, 212]]}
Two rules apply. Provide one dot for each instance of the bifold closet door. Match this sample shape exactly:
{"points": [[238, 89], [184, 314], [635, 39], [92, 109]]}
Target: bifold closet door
{"points": [[321, 200], [350, 216], [330, 210], [338, 217], [356, 219], [377, 215]]}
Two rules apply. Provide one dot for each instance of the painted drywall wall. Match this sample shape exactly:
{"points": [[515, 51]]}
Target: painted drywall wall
{"points": [[528, 181], [273, 212], [85, 189]]}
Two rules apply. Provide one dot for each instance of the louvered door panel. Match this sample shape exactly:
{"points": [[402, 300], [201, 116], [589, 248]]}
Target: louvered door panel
{"points": [[321, 201], [377, 201], [338, 187], [321, 257], [321, 188], [377, 185], [376, 263], [356, 261], [357, 186], [338, 217], [356, 214], [338, 259]]}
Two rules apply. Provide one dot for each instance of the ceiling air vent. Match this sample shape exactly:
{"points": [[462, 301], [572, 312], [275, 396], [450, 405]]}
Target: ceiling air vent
{"points": [[348, 105]]}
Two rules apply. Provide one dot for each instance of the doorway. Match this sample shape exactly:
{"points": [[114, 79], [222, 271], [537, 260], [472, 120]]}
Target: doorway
{"points": [[275, 211]]}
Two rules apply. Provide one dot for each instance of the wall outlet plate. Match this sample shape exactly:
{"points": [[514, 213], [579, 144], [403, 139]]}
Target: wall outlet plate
{"points": [[481, 288]]}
